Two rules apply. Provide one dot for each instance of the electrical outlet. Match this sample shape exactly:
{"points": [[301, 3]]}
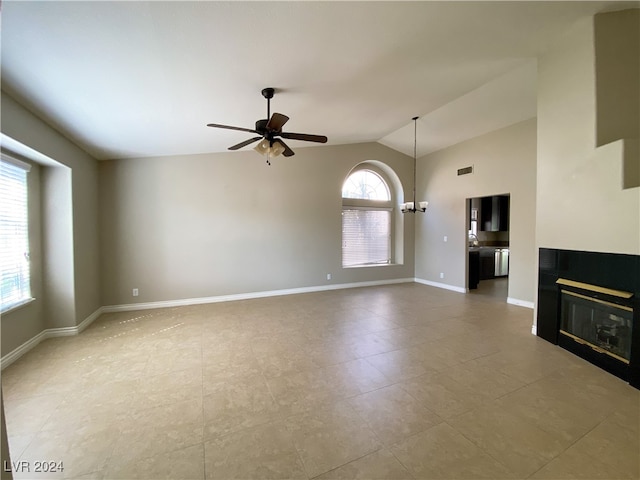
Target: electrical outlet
{"points": [[135, 292], [446, 238], [441, 274], [328, 276]]}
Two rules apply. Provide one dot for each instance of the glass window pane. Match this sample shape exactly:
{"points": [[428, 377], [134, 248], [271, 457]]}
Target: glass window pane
{"points": [[366, 237], [15, 285], [367, 185]]}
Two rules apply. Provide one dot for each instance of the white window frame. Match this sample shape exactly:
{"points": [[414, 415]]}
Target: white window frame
{"points": [[14, 233], [353, 204]]}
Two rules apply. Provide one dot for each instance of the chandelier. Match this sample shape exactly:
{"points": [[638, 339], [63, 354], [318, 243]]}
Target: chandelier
{"points": [[411, 206]]}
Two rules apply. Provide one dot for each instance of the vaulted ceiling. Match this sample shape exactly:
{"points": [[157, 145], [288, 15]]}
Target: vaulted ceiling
{"points": [[128, 79]]}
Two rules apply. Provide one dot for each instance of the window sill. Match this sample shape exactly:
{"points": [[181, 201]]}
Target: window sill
{"points": [[376, 265], [17, 306]]}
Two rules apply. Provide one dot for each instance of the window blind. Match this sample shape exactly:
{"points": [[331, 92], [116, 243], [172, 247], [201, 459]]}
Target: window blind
{"points": [[366, 237], [14, 234]]}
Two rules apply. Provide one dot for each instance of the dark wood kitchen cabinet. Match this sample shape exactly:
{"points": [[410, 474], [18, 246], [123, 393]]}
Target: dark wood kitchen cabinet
{"points": [[487, 263], [474, 269], [494, 213]]}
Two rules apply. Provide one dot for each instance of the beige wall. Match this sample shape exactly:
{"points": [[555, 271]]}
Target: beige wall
{"points": [[198, 226], [617, 61], [58, 248], [504, 162], [81, 290], [581, 203]]}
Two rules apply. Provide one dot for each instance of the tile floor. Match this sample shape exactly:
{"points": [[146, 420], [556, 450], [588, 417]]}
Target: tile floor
{"points": [[394, 382]]}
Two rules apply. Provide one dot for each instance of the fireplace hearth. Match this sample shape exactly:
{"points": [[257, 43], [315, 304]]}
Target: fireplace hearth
{"points": [[588, 303]]}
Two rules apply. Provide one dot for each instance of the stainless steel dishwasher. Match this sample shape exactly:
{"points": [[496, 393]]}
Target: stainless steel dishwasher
{"points": [[501, 262]]}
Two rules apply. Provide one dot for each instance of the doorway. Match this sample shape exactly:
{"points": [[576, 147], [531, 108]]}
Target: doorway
{"points": [[487, 258]]}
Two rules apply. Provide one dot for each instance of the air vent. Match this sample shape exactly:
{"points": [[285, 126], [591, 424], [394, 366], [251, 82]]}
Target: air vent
{"points": [[465, 170]]}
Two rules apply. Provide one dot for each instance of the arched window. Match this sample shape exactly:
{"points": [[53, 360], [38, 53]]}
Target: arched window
{"points": [[366, 185], [366, 219]]}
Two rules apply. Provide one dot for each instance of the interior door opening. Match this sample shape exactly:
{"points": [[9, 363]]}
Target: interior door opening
{"points": [[487, 245]]}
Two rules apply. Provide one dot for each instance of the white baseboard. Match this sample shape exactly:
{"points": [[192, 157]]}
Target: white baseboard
{"points": [[16, 353], [441, 285], [534, 329], [512, 301], [90, 319], [520, 303], [248, 296]]}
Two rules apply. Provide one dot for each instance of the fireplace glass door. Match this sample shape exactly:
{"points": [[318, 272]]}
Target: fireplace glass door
{"points": [[604, 326]]}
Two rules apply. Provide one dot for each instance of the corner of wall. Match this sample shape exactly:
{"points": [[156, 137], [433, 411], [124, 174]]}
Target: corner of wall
{"points": [[631, 160]]}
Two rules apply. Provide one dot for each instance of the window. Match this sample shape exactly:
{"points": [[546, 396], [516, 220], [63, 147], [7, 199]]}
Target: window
{"points": [[14, 234], [366, 220], [365, 184]]}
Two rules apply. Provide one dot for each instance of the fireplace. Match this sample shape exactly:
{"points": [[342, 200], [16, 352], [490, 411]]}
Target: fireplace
{"points": [[588, 303]]}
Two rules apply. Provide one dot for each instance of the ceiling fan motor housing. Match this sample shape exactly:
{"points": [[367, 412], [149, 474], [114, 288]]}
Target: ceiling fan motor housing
{"points": [[261, 126], [268, 92]]}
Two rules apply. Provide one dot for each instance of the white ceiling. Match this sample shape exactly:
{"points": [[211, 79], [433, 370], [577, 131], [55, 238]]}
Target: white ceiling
{"points": [[129, 79]]}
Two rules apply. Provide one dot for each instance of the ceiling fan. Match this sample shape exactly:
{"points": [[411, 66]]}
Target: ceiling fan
{"points": [[270, 131]]}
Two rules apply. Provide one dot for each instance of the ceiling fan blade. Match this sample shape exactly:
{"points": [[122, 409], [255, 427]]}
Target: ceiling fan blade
{"points": [[287, 151], [229, 127], [304, 136], [276, 122], [245, 143]]}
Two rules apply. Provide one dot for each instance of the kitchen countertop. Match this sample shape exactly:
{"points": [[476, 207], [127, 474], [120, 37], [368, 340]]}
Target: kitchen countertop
{"points": [[485, 248]]}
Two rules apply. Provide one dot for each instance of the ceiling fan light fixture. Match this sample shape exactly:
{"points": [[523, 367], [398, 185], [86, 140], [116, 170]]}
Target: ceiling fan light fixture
{"points": [[271, 150], [276, 149], [263, 147]]}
